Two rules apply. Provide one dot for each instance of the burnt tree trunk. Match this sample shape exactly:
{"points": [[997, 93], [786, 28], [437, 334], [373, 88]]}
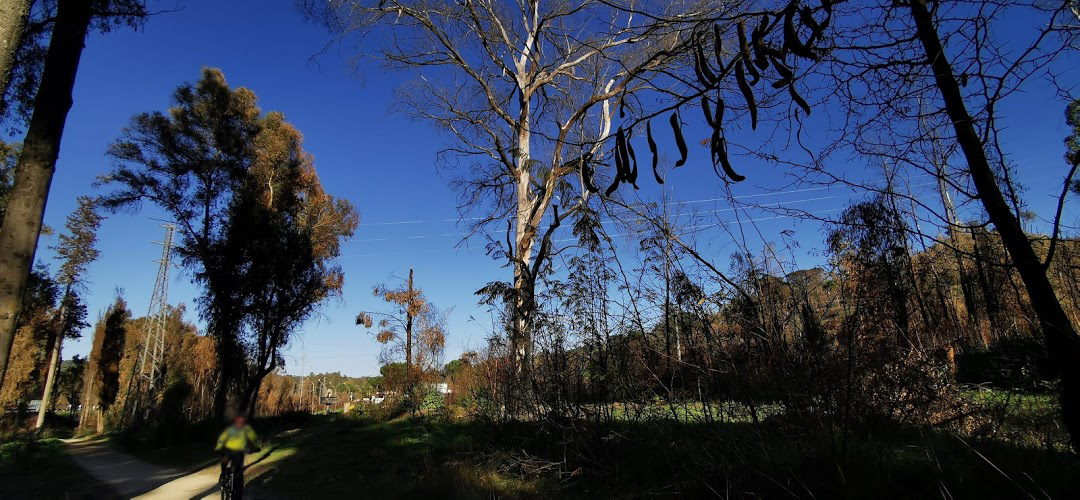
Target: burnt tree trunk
{"points": [[1061, 338], [37, 163]]}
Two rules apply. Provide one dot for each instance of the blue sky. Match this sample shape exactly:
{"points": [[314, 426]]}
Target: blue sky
{"points": [[382, 162]]}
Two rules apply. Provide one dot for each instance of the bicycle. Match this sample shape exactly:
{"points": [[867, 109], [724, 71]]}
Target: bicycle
{"points": [[232, 478]]}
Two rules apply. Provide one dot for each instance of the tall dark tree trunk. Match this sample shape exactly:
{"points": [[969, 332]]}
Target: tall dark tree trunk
{"points": [[14, 15], [1061, 338], [34, 172], [227, 371], [251, 393]]}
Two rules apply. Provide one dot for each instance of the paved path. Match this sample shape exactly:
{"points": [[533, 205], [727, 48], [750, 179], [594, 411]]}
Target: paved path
{"points": [[130, 477]]}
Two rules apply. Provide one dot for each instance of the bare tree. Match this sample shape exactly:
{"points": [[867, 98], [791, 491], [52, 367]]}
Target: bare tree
{"points": [[528, 91]]}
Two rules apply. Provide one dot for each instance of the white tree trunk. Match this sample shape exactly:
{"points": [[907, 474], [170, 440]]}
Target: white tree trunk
{"points": [[50, 380], [54, 364]]}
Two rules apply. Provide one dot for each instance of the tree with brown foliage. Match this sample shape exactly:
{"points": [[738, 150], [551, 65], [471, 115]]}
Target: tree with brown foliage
{"points": [[32, 339], [414, 333], [103, 383]]}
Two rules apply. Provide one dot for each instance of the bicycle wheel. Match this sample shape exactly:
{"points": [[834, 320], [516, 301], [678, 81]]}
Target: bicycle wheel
{"points": [[227, 483]]}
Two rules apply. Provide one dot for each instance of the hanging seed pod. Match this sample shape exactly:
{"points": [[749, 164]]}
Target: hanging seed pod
{"points": [[791, 35], [632, 178], [676, 128], [798, 99], [718, 47], [744, 48], [708, 112], [785, 74], [620, 166], [714, 150], [586, 173], [697, 72], [652, 149], [726, 164], [586, 176], [699, 55], [747, 92], [621, 153], [612, 188], [719, 119], [757, 39]]}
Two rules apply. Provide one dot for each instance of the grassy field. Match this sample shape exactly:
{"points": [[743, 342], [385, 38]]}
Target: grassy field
{"points": [[333, 456]]}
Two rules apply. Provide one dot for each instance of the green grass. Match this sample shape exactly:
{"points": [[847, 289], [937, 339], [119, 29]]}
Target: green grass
{"points": [[41, 469], [403, 458], [1022, 419], [415, 457]]}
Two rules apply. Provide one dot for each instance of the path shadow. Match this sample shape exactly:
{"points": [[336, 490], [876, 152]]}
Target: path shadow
{"points": [[123, 473]]}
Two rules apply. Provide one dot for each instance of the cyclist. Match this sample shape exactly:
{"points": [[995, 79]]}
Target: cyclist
{"points": [[237, 439]]}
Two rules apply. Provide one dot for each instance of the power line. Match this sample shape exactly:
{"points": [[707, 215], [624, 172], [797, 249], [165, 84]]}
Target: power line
{"points": [[704, 200]]}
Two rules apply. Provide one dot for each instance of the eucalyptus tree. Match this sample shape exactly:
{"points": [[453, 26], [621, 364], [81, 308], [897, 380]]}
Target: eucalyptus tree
{"points": [[532, 93]]}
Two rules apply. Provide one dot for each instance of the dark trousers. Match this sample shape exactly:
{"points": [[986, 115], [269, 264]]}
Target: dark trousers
{"points": [[237, 460]]}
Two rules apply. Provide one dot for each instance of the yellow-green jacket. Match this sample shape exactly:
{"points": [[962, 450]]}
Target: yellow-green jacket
{"points": [[237, 440]]}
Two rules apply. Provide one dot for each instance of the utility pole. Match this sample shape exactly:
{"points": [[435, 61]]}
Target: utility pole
{"points": [[665, 200], [408, 336], [153, 348]]}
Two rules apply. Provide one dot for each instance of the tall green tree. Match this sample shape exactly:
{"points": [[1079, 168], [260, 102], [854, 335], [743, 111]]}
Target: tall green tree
{"points": [[258, 231], [41, 147], [76, 250]]}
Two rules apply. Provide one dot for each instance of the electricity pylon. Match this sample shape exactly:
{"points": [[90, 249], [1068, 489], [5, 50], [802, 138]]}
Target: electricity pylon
{"points": [[153, 352]]}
